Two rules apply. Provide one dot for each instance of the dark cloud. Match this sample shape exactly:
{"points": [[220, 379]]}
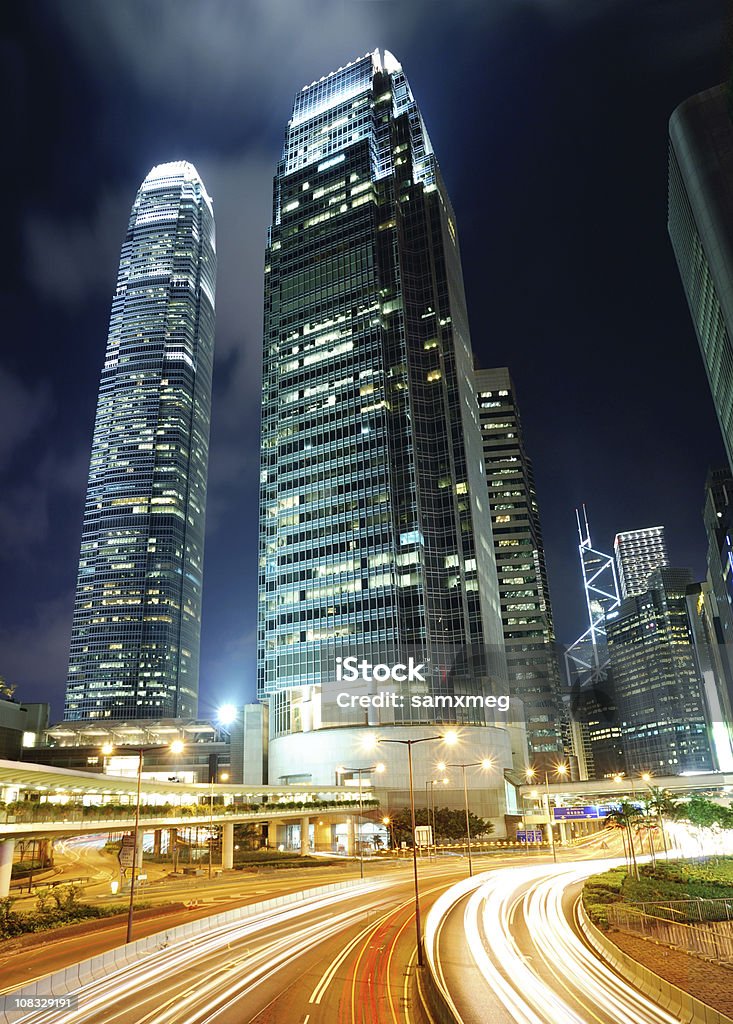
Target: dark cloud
{"points": [[24, 409]]}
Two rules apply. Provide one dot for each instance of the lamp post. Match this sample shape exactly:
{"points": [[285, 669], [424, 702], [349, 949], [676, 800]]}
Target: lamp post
{"points": [[212, 779], [431, 801], [176, 747], [560, 770], [359, 772], [487, 763], [450, 738]]}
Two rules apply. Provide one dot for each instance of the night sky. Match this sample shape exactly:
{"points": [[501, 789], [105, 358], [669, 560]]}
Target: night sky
{"points": [[549, 120]]}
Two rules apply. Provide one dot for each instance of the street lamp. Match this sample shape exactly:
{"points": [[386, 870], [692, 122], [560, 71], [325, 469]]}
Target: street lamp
{"points": [[450, 739], [176, 747], [212, 779], [560, 770], [359, 772], [432, 783], [487, 763]]}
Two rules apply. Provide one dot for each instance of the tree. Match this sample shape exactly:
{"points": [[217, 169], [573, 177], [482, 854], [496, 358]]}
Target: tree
{"points": [[704, 813], [7, 691], [449, 824], [624, 816], [663, 804]]}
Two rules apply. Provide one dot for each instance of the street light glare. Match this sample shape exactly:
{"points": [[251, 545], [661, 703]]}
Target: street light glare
{"points": [[107, 749], [379, 767], [176, 747], [441, 766], [370, 742], [224, 777], [487, 763], [450, 738], [562, 769], [226, 714]]}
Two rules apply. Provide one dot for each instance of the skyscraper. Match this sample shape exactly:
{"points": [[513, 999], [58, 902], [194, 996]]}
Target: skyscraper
{"points": [[375, 535], [137, 615], [526, 611], [638, 554], [659, 692], [700, 223]]}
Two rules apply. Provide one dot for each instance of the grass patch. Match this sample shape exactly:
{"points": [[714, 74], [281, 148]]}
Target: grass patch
{"points": [[668, 880]]}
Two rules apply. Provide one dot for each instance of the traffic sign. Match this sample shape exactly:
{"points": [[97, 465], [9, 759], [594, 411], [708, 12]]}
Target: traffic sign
{"points": [[126, 852], [530, 835]]}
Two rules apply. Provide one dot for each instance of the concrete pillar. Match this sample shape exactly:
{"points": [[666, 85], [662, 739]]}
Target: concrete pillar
{"points": [[563, 834], [139, 856], [7, 848], [157, 842], [304, 836], [173, 846], [350, 837], [227, 846]]}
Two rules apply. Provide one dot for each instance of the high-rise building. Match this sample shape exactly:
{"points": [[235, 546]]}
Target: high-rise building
{"points": [[658, 688], [137, 615], [375, 534], [595, 730], [700, 223], [526, 612], [638, 554]]}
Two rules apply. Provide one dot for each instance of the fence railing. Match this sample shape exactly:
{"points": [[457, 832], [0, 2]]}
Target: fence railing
{"points": [[703, 927]]}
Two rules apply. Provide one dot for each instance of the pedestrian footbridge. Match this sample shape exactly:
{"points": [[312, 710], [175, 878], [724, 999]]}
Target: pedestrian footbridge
{"points": [[42, 802]]}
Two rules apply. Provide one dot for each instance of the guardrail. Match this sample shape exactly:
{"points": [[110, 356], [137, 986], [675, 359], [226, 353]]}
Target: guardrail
{"points": [[685, 1007], [708, 937]]}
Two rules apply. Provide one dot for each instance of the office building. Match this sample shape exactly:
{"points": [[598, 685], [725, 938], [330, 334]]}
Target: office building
{"points": [[596, 734], [638, 553], [700, 223], [375, 535], [137, 614], [659, 691], [526, 612], [375, 532]]}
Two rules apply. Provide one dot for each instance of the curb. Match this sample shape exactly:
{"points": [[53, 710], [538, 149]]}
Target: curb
{"points": [[675, 1000]]}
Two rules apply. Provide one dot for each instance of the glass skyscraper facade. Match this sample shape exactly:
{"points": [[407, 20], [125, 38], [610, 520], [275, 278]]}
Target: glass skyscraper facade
{"points": [[375, 535], [137, 615], [638, 554], [659, 691], [529, 633], [700, 224]]}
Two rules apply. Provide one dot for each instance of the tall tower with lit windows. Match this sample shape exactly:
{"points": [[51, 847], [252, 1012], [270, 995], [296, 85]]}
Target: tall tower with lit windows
{"points": [[375, 533], [137, 615], [529, 633]]}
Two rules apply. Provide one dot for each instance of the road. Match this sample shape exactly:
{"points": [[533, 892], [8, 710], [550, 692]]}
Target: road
{"points": [[347, 957], [508, 950]]}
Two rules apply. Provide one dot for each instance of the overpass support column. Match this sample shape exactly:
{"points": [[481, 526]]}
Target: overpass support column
{"points": [[227, 845], [7, 849], [304, 836], [350, 837], [157, 842], [173, 846], [563, 834], [139, 855]]}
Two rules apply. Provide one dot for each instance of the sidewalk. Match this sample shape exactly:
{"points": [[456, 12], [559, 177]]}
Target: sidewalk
{"points": [[709, 982]]}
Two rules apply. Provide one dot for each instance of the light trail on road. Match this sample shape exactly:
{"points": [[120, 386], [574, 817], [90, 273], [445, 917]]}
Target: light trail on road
{"points": [[528, 960], [162, 980]]}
